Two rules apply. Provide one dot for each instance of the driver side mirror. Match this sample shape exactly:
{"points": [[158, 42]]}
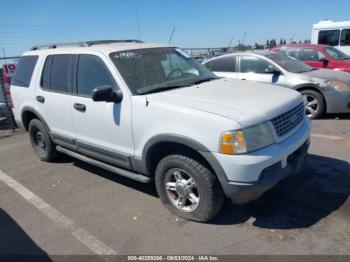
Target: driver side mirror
{"points": [[272, 70], [107, 94], [324, 61]]}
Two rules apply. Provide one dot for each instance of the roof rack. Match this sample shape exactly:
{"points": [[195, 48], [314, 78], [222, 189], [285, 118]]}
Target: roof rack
{"points": [[84, 44]]}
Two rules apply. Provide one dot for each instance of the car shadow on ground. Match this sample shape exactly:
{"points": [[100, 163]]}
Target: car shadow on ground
{"points": [[321, 187], [14, 241], [335, 116]]}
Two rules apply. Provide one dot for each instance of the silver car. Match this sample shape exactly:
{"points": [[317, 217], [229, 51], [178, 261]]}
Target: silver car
{"points": [[324, 91]]}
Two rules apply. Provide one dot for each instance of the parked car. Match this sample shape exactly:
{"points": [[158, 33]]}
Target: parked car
{"points": [[320, 56], [323, 90], [3, 108], [151, 113]]}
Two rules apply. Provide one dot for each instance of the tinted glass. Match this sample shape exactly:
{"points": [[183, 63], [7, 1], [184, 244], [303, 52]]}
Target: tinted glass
{"points": [[61, 73], [329, 37], [92, 73], [45, 79], [312, 55], [147, 70], [24, 71], [293, 52], [288, 63], [252, 64], [345, 37], [222, 64]]}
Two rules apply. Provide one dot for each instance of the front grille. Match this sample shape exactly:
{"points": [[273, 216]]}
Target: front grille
{"points": [[287, 121]]}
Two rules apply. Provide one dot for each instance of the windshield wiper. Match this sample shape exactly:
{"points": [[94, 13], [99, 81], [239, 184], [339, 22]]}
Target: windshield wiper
{"points": [[202, 80], [163, 88]]}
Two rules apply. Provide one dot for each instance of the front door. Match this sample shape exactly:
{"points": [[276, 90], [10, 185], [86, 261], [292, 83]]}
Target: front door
{"points": [[103, 128]]}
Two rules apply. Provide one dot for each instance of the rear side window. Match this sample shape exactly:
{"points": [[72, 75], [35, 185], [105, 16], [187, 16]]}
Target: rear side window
{"points": [[329, 37], [345, 37], [92, 73], [24, 71], [222, 64], [57, 73], [292, 52]]}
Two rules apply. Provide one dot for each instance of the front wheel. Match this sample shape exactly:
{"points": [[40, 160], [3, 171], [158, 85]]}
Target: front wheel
{"points": [[188, 189], [314, 103]]}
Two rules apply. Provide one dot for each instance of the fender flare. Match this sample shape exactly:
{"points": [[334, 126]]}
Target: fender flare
{"points": [[193, 144], [32, 110]]}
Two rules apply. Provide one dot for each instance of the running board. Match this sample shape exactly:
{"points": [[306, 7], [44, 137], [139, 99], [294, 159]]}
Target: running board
{"points": [[119, 171]]}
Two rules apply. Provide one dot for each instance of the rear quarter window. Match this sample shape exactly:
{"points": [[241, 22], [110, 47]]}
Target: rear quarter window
{"points": [[24, 71]]}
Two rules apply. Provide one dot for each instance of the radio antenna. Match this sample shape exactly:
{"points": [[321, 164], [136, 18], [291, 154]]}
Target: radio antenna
{"points": [[138, 24], [171, 35]]}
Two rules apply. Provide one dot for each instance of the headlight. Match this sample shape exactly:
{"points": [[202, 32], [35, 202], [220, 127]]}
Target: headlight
{"points": [[246, 140], [339, 85]]}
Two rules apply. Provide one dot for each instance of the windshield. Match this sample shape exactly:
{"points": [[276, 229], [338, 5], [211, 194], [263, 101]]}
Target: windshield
{"points": [[336, 54], [289, 63], [156, 69]]}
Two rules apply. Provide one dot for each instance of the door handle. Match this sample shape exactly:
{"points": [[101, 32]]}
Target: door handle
{"points": [[243, 79], [80, 107], [40, 99]]}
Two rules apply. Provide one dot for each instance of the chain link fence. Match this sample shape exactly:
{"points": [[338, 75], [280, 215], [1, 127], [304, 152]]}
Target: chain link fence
{"points": [[8, 124]]}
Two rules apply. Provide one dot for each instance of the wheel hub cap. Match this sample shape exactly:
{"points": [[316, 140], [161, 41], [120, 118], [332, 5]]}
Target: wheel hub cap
{"points": [[182, 190]]}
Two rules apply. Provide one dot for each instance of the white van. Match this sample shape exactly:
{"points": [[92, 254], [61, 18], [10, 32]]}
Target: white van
{"points": [[331, 33]]}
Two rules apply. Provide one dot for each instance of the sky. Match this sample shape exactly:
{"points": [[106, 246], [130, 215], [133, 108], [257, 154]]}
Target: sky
{"points": [[197, 23]]}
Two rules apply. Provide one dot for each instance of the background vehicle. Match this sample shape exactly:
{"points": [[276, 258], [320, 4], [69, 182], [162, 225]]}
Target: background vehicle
{"points": [[332, 33], [142, 111], [320, 56], [324, 90]]}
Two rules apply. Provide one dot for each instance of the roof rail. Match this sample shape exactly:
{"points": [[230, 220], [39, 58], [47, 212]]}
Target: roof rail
{"points": [[84, 44]]}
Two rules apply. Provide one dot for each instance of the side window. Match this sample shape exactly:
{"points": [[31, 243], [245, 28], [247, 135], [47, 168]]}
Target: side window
{"points": [[292, 52], [222, 64], [92, 73], [61, 73], [329, 37], [345, 37], [24, 71], [312, 55], [252, 64]]}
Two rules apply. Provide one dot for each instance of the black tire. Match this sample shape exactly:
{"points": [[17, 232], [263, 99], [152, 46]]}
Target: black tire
{"points": [[320, 100], [209, 189], [41, 142]]}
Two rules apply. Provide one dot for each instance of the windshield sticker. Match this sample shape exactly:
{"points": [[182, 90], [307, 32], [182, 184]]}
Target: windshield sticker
{"points": [[126, 55], [183, 53]]}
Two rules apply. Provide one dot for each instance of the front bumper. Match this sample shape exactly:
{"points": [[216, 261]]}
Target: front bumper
{"points": [[248, 176], [270, 176], [337, 102]]}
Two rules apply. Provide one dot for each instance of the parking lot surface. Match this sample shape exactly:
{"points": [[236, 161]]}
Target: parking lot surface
{"points": [[70, 207]]}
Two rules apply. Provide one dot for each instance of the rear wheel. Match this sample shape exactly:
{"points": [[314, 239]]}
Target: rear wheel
{"points": [[188, 189], [314, 103], [41, 141]]}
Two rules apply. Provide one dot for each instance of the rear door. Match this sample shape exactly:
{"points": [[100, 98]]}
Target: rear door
{"points": [[103, 128], [255, 68], [53, 96], [224, 66]]}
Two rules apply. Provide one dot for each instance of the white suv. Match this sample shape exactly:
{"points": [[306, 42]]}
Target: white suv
{"points": [[150, 112]]}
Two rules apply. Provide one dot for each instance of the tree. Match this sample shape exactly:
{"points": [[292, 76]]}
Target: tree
{"points": [[281, 41], [267, 44]]}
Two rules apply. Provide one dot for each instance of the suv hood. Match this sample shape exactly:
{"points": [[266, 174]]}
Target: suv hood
{"points": [[246, 102], [328, 74]]}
